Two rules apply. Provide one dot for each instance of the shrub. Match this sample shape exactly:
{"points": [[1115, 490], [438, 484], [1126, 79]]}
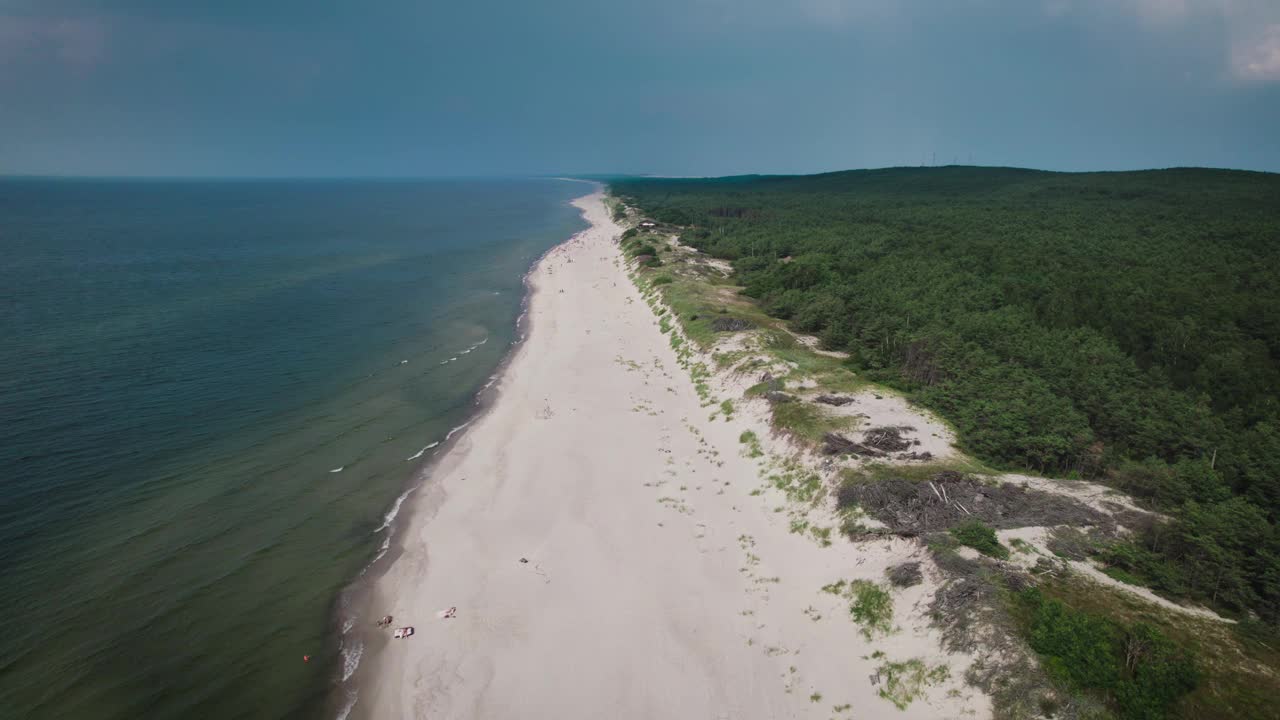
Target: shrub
{"points": [[1078, 648], [1139, 669], [1159, 674], [980, 537], [663, 280]]}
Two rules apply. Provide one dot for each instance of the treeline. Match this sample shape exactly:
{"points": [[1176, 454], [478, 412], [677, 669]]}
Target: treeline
{"points": [[1117, 325]]}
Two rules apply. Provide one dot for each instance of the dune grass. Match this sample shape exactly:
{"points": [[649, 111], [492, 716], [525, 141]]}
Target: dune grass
{"points": [[871, 607], [876, 472], [905, 681], [808, 422]]}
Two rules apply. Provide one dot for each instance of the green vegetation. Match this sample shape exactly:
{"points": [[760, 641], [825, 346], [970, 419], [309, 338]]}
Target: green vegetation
{"points": [[1135, 668], [831, 374], [872, 608], [875, 472], [821, 534], [726, 408], [752, 442], [807, 421], [799, 485], [1123, 326], [975, 534], [904, 681], [1235, 663], [1122, 575]]}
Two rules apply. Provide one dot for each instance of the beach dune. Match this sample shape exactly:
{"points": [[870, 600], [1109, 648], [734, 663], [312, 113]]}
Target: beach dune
{"points": [[599, 538]]}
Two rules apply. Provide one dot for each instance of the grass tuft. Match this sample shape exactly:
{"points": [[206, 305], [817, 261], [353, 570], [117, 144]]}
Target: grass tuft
{"points": [[906, 681], [872, 608]]}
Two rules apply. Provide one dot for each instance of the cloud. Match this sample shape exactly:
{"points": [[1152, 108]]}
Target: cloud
{"points": [[1247, 31], [1259, 59]]}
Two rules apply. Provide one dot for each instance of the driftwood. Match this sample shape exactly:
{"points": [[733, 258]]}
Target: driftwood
{"points": [[888, 439], [777, 397], [836, 444], [910, 508], [876, 443]]}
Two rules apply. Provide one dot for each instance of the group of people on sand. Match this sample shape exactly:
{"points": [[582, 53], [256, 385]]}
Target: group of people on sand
{"points": [[404, 632]]}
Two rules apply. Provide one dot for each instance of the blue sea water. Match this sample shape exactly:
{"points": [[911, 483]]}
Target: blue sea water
{"points": [[211, 395]]}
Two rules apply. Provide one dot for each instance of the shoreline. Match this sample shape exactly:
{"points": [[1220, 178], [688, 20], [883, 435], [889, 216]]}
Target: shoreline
{"points": [[612, 550], [353, 606]]}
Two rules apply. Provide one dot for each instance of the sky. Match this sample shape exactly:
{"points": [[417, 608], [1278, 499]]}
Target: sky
{"points": [[345, 88]]}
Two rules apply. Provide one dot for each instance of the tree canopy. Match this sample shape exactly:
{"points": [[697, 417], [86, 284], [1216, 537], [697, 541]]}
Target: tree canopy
{"points": [[1123, 326]]}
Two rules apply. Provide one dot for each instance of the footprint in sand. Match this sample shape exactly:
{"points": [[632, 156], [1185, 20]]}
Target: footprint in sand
{"points": [[701, 533]]}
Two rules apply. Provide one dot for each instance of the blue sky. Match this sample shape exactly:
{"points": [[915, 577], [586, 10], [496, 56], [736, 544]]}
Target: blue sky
{"points": [[692, 87]]}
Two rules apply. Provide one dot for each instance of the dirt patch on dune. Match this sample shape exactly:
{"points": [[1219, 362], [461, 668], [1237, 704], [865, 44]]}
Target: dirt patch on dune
{"points": [[731, 324]]}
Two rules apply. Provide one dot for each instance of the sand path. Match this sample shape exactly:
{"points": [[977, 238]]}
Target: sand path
{"points": [[657, 586]]}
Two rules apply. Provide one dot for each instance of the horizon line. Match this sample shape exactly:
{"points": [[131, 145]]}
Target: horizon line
{"points": [[588, 176]]}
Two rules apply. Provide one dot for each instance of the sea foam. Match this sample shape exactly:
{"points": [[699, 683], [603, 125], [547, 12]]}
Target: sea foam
{"points": [[419, 454], [395, 510], [351, 658], [451, 432]]}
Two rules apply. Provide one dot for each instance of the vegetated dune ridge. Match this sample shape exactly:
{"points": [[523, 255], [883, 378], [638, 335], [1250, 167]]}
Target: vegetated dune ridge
{"points": [[1028, 565], [665, 576]]}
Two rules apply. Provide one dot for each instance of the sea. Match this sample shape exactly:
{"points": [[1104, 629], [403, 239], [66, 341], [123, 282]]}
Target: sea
{"points": [[213, 397]]}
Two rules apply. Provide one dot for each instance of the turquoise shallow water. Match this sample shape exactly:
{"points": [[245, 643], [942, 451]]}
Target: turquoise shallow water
{"points": [[211, 394]]}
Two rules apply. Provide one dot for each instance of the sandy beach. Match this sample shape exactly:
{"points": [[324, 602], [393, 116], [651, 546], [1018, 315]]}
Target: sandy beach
{"points": [[609, 551]]}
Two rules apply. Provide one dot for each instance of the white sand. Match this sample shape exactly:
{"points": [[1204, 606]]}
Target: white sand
{"points": [[657, 585]]}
